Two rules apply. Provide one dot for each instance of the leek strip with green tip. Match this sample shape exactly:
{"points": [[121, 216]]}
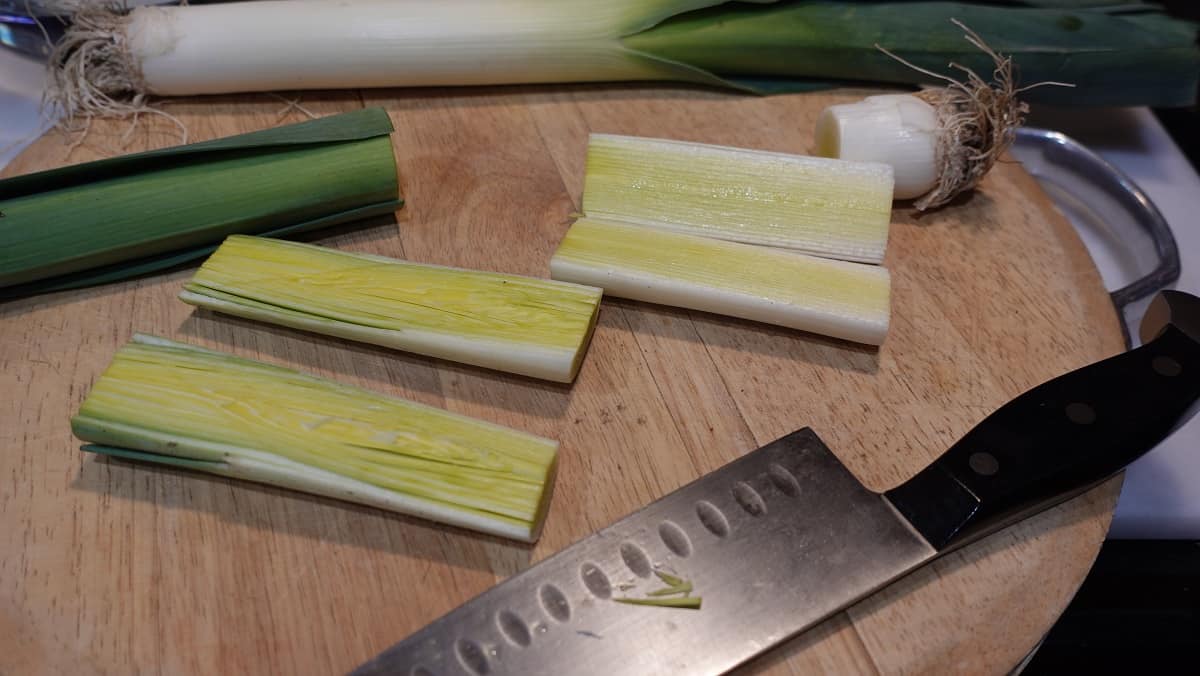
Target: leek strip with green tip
{"points": [[533, 327], [827, 207], [180, 405], [830, 297]]}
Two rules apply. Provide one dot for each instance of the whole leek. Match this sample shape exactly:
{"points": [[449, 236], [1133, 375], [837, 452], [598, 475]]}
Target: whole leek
{"points": [[108, 58], [174, 404]]}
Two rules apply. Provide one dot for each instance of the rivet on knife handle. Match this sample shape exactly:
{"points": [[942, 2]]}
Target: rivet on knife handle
{"points": [[1063, 436]]}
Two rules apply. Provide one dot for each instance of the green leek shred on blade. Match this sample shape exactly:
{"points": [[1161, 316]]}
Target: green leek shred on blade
{"points": [[677, 588]]}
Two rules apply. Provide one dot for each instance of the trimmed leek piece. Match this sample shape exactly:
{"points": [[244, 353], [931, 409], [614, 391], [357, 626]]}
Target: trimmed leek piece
{"points": [[185, 406], [112, 219], [533, 327], [834, 298], [826, 207]]}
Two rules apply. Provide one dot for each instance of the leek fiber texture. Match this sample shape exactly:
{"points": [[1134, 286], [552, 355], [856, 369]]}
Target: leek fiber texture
{"points": [[826, 207], [179, 405], [1129, 53], [830, 297], [113, 219], [533, 327]]}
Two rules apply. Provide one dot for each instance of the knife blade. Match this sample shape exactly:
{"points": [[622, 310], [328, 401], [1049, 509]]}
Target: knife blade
{"points": [[785, 536]]}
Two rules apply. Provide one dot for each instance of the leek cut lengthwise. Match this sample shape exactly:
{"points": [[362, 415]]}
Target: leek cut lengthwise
{"points": [[834, 208], [112, 219], [534, 327], [189, 407], [835, 298], [1130, 55]]}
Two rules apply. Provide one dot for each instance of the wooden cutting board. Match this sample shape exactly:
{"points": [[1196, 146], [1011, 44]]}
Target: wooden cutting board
{"points": [[111, 567]]}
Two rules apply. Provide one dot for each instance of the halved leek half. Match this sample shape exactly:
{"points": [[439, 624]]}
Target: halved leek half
{"points": [[533, 327], [822, 206], [835, 298], [186, 406]]}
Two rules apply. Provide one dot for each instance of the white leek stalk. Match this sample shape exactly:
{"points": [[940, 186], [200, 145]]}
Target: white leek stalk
{"points": [[826, 207], [834, 298], [185, 406], [534, 327], [275, 45], [896, 129]]}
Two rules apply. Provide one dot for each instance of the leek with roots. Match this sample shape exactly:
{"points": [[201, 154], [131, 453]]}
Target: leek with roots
{"points": [[112, 219], [533, 327], [110, 60], [939, 142], [833, 208], [184, 406], [830, 297]]}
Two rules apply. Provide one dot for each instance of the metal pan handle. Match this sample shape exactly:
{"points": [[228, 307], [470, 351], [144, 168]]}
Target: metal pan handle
{"points": [[1050, 157]]}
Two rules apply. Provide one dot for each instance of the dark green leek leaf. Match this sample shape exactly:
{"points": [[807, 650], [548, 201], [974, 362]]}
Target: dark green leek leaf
{"points": [[1112, 58], [113, 219]]}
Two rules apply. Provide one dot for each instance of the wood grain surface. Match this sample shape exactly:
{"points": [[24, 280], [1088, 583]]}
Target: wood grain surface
{"points": [[109, 567]]}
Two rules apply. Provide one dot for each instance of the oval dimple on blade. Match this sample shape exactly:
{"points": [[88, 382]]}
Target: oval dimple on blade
{"points": [[595, 580], [675, 539], [749, 499], [514, 628], [555, 603], [471, 656], [783, 480], [712, 518], [636, 559]]}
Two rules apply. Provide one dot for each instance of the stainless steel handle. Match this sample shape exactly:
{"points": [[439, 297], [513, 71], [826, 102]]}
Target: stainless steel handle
{"points": [[1079, 179]]}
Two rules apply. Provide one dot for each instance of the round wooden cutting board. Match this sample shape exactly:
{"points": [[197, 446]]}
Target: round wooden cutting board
{"points": [[112, 567]]}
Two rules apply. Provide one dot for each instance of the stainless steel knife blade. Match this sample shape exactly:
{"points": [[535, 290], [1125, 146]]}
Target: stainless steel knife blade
{"points": [[782, 538], [789, 505]]}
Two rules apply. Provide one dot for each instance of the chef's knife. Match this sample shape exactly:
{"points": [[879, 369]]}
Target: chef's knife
{"points": [[785, 536]]}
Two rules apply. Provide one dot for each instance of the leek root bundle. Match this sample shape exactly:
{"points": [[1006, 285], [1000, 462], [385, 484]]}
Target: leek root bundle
{"points": [[109, 58], [112, 219], [534, 327], [184, 406]]}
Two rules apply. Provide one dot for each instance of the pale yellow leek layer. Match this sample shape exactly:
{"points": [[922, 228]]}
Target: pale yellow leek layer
{"points": [[835, 298], [826, 207], [180, 400], [535, 327]]}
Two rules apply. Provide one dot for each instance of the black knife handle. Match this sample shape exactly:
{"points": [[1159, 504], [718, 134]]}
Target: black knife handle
{"points": [[1063, 436]]}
